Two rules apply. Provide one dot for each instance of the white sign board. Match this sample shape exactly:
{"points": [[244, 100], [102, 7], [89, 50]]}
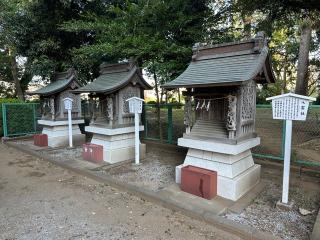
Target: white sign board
{"points": [[68, 103], [135, 104], [68, 106], [290, 106]]}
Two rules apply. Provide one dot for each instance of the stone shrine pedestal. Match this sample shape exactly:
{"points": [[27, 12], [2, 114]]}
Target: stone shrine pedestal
{"points": [[118, 143], [237, 173], [58, 132]]}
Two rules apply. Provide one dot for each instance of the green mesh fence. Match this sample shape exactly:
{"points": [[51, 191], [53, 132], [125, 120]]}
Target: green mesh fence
{"points": [[20, 119], [305, 138], [165, 123], [270, 132]]}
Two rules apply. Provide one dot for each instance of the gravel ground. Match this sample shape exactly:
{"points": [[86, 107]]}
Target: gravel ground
{"points": [[42, 201], [65, 154], [262, 213], [61, 154], [158, 169], [154, 173]]}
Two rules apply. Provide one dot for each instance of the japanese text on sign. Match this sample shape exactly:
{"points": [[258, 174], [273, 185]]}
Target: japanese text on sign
{"points": [[290, 108]]}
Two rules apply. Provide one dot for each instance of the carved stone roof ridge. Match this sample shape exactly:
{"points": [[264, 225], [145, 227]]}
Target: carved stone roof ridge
{"points": [[64, 75], [113, 77], [227, 64], [61, 81]]}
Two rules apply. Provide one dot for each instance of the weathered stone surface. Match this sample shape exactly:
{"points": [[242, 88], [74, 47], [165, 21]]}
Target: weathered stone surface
{"points": [[237, 173], [219, 147], [58, 132], [118, 144]]}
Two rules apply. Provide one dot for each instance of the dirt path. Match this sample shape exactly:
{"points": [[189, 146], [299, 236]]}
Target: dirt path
{"points": [[41, 201]]}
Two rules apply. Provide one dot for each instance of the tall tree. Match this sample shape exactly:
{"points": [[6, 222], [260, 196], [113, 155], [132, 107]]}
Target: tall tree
{"points": [[282, 12], [9, 28], [303, 61], [157, 34], [45, 44]]}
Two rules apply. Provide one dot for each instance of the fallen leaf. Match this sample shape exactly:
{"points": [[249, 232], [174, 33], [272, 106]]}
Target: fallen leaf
{"points": [[304, 212]]}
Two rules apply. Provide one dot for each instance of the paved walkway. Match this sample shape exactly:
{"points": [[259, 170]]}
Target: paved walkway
{"points": [[41, 201]]}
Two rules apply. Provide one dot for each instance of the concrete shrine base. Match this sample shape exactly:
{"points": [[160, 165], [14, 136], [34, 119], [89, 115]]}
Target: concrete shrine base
{"points": [[118, 143], [58, 132], [237, 173]]}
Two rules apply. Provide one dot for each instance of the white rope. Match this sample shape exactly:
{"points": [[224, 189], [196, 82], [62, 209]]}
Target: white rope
{"points": [[203, 105], [210, 99], [208, 106], [198, 104]]}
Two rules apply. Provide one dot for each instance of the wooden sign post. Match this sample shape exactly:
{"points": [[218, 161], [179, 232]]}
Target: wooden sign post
{"points": [[135, 106], [289, 107]]}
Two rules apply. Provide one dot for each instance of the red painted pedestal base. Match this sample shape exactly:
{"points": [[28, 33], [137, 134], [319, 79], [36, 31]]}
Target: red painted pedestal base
{"points": [[92, 152], [199, 181], [40, 140]]}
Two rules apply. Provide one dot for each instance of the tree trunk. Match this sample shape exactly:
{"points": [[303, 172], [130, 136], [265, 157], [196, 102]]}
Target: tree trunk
{"points": [[161, 96], [156, 87], [303, 60], [246, 26], [14, 72], [284, 84], [166, 96]]}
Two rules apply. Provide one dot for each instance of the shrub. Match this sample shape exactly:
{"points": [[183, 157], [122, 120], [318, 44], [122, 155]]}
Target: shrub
{"points": [[10, 100], [317, 102], [151, 102]]}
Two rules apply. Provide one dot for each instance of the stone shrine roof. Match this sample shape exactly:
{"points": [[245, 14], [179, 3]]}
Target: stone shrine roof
{"points": [[61, 81], [227, 64], [114, 77]]}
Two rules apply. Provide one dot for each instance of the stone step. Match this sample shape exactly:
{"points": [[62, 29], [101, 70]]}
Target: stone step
{"points": [[208, 128], [208, 135]]}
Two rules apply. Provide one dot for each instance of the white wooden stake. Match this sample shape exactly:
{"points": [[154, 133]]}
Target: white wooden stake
{"points": [[286, 165], [135, 106], [289, 106], [70, 127], [136, 139]]}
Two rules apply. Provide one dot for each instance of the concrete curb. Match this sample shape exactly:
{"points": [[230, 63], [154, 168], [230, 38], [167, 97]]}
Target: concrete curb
{"points": [[316, 228], [243, 231]]}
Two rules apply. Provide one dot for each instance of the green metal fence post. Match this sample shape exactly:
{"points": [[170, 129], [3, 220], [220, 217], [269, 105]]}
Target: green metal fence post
{"points": [[4, 120], [145, 121], [170, 125], [34, 118]]}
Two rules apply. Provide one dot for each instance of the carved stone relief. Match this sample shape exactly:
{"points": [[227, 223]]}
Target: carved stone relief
{"points": [[76, 99], [45, 108], [125, 94], [52, 110], [187, 112], [110, 108], [232, 113], [73, 85], [248, 98]]}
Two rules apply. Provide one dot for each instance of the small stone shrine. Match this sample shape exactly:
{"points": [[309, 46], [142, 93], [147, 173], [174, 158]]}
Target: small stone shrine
{"points": [[112, 123], [221, 81], [54, 117]]}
